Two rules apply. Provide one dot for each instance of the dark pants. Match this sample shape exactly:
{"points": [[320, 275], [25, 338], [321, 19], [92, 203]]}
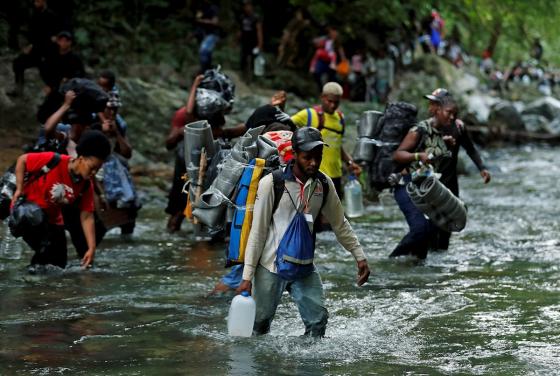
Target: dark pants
{"points": [[177, 200], [49, 246], [246, 60], [421, 230], [73, 225]]}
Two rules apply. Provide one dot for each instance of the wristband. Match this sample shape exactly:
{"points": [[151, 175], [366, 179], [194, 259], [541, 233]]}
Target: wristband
{"points": [[416, 156]]}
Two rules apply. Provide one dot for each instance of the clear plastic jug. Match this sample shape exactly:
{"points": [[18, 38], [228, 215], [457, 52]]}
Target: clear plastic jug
{"points": [[259, 65], [241, 315], [353, 198]]}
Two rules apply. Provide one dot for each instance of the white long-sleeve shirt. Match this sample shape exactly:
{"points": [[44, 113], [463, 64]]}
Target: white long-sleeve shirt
{"points": [[268, 228]]}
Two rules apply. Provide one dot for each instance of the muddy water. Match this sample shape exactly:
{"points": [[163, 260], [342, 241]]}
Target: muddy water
{"points": [[490, 305]]}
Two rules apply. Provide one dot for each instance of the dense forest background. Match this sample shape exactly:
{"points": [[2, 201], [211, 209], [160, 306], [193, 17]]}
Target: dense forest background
{"points": [[127, 33]]}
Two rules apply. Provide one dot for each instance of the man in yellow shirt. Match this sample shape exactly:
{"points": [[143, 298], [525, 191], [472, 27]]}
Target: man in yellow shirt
{"points": [[330, 121]]}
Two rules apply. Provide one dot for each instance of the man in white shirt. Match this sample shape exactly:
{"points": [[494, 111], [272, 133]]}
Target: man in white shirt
{"points": [[304, 188]]}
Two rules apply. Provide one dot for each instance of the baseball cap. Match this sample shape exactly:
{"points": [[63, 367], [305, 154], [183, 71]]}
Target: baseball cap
{"points": [[437, 95], [65, 34], [306, 139]]}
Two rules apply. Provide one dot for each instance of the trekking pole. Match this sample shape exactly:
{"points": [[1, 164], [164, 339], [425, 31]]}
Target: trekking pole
{"points": [[200, 181]]}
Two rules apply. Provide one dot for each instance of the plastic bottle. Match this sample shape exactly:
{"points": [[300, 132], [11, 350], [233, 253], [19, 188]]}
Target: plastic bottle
{"points": [[259, 65], [241, 315], [353, 198]]}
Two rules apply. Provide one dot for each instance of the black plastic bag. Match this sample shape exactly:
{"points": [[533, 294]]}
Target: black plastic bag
{"points": [[90, 97], [209, 103], [218, 81], [26, 217]]}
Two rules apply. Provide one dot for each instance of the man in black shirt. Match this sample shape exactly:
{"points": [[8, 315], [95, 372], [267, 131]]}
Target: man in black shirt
{"points": [[43, 28], [62, 65], [455, 136], [58, 67]]}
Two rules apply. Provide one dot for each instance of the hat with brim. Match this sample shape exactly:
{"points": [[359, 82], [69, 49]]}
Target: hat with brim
{"points": [[307, 139], [437, 95]]}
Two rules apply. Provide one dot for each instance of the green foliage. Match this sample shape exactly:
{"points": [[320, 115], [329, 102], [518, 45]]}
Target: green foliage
{"points": [[514, 23]]}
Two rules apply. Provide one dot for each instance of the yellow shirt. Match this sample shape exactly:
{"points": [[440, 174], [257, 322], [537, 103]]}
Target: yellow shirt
{"points": [[332, 159]]}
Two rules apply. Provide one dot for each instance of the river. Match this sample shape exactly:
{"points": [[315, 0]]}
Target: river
{"points": [[490, 305]]}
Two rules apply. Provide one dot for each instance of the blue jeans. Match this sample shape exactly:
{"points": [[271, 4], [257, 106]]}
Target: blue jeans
{"points": [[205, 52], [421, 230], [234, 277], [307, 293]]}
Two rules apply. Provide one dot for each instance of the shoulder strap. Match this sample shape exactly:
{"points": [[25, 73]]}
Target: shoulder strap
{"points": [[278, 187], [342, 121], [45, 169], [325, 183], [309, 117], [320, 116]]}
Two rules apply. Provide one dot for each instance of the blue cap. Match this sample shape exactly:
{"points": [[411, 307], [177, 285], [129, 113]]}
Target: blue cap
{"points": [[245, 293]]}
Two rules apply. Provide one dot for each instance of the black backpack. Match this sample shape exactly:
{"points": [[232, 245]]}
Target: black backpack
{"points": [[90, 97], [397, 120]]}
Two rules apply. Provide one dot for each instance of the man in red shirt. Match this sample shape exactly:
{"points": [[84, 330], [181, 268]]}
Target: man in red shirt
{"points": [[67, 182]]}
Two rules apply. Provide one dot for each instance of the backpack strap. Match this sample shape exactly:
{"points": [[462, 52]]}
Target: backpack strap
{"points": [[45, 169], [342, 121], [321, 116], [325, 183], [278, 187], [309, 116]]}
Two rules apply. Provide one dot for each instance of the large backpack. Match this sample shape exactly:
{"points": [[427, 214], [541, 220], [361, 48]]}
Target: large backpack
{"points": [[245, 199], [397, 120]]}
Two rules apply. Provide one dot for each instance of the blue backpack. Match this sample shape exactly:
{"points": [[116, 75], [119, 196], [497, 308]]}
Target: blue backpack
{"points": [[295, 253]]}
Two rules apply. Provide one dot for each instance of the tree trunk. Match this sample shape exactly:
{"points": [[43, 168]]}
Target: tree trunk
{"points": [[494, 36]]}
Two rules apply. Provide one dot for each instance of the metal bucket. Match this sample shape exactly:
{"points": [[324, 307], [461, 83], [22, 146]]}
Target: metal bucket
{"points": [[198, 135], [368, 123], [364, 151]]}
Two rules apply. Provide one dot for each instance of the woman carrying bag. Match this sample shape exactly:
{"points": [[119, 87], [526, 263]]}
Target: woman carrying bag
{"points": [[51, 181]]}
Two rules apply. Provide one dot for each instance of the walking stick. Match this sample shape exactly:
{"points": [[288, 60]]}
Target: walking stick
{"points": [[200, 181]]}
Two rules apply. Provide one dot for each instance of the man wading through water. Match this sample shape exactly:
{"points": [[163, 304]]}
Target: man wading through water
{"points": [[267, 256]]}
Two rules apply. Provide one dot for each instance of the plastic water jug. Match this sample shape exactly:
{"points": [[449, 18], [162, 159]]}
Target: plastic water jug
{"points": [[353, 198], [241, 315], [259, 65]]}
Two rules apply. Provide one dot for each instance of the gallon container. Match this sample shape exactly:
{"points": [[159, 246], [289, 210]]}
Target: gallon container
{"points": [[259, 65], [241, 315], [353, 198]]}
